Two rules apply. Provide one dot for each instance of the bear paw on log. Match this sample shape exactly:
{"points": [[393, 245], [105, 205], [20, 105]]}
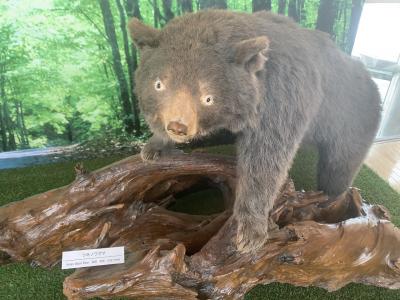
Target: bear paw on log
{"points": [[314, 241]]}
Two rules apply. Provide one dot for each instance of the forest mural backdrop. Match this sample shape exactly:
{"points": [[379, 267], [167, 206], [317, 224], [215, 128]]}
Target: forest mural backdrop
{"points": [[66, 66]]}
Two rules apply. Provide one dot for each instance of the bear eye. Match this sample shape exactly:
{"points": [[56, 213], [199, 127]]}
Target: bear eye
{"points": [[158, 85], [208, 100]]}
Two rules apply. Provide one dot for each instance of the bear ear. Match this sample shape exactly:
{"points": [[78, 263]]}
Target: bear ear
{"points": [[143, 35], [252, 53]]}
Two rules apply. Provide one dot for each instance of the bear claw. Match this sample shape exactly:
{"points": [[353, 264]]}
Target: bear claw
{"points": [[149, 154]]}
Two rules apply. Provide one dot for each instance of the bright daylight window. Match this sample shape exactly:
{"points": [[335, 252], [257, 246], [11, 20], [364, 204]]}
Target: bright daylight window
{"points": [[377, 45]]}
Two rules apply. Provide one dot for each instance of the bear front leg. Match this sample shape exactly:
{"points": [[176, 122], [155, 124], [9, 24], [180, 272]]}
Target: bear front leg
{"points": [[264, 159], [157, 147]]}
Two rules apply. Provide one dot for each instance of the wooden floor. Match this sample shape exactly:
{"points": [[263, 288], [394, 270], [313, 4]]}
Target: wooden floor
{"points": [[384, 159]]}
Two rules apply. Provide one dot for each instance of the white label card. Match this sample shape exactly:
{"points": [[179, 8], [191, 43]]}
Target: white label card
{"points": [[92, 257]]}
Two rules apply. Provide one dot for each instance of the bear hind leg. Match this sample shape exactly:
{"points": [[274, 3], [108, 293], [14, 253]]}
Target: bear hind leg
{"points": [[338, 165]]}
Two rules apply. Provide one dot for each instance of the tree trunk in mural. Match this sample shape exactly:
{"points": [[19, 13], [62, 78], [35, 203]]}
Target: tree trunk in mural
{"points": [[156, 14], [186, 6], [7, 124], [3, 130], [117, 65], [167, 8], [261, 5], [213, 4], [292, 10], [295, 10], [132, 8], [12, 145], [327, 13], [281, 7], [356, 9], [22, 138], [3, 134], [131, 69], [23, 126]]}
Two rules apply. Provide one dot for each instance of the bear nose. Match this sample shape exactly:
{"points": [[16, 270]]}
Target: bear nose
{"points": [[177, 128]]}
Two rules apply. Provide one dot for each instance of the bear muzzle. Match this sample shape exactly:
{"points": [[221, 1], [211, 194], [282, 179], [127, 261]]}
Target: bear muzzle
{"points": [[177, 128], [179, 117]]}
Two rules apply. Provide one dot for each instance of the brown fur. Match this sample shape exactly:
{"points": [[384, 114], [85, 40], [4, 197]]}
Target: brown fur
{"points": [[273, 84]]}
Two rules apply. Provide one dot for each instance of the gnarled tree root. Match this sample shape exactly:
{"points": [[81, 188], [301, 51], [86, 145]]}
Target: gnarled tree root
{"points": [[171, 255]]}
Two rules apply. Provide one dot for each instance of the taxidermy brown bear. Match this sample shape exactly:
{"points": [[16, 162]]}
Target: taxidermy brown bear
{"points": [[271, 83]]}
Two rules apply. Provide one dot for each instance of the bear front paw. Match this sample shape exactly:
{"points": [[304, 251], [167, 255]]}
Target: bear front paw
{"points": [[150, 153], [251, 236]]}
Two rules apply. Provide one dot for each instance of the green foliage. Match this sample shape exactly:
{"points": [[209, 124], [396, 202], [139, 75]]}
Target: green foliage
{"points": [[58, 65]]}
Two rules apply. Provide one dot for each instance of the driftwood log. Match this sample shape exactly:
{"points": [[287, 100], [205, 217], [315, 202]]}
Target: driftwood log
{"points": [[173, 255]]}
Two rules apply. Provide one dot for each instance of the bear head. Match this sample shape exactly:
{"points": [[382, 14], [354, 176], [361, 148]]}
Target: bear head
{"points": [[192, 80]]}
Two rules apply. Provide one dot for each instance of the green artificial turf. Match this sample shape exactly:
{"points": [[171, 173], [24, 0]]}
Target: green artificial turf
{"points": [[20, 281]]}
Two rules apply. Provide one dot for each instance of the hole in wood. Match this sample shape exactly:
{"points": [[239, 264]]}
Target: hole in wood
{"points": [[203, 198]]}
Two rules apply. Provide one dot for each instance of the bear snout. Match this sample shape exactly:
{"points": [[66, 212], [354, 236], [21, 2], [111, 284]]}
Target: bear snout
{"points": [[177, 128]]}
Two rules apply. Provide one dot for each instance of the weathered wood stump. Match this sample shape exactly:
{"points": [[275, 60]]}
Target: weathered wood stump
{"points": [[172, 255]]}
